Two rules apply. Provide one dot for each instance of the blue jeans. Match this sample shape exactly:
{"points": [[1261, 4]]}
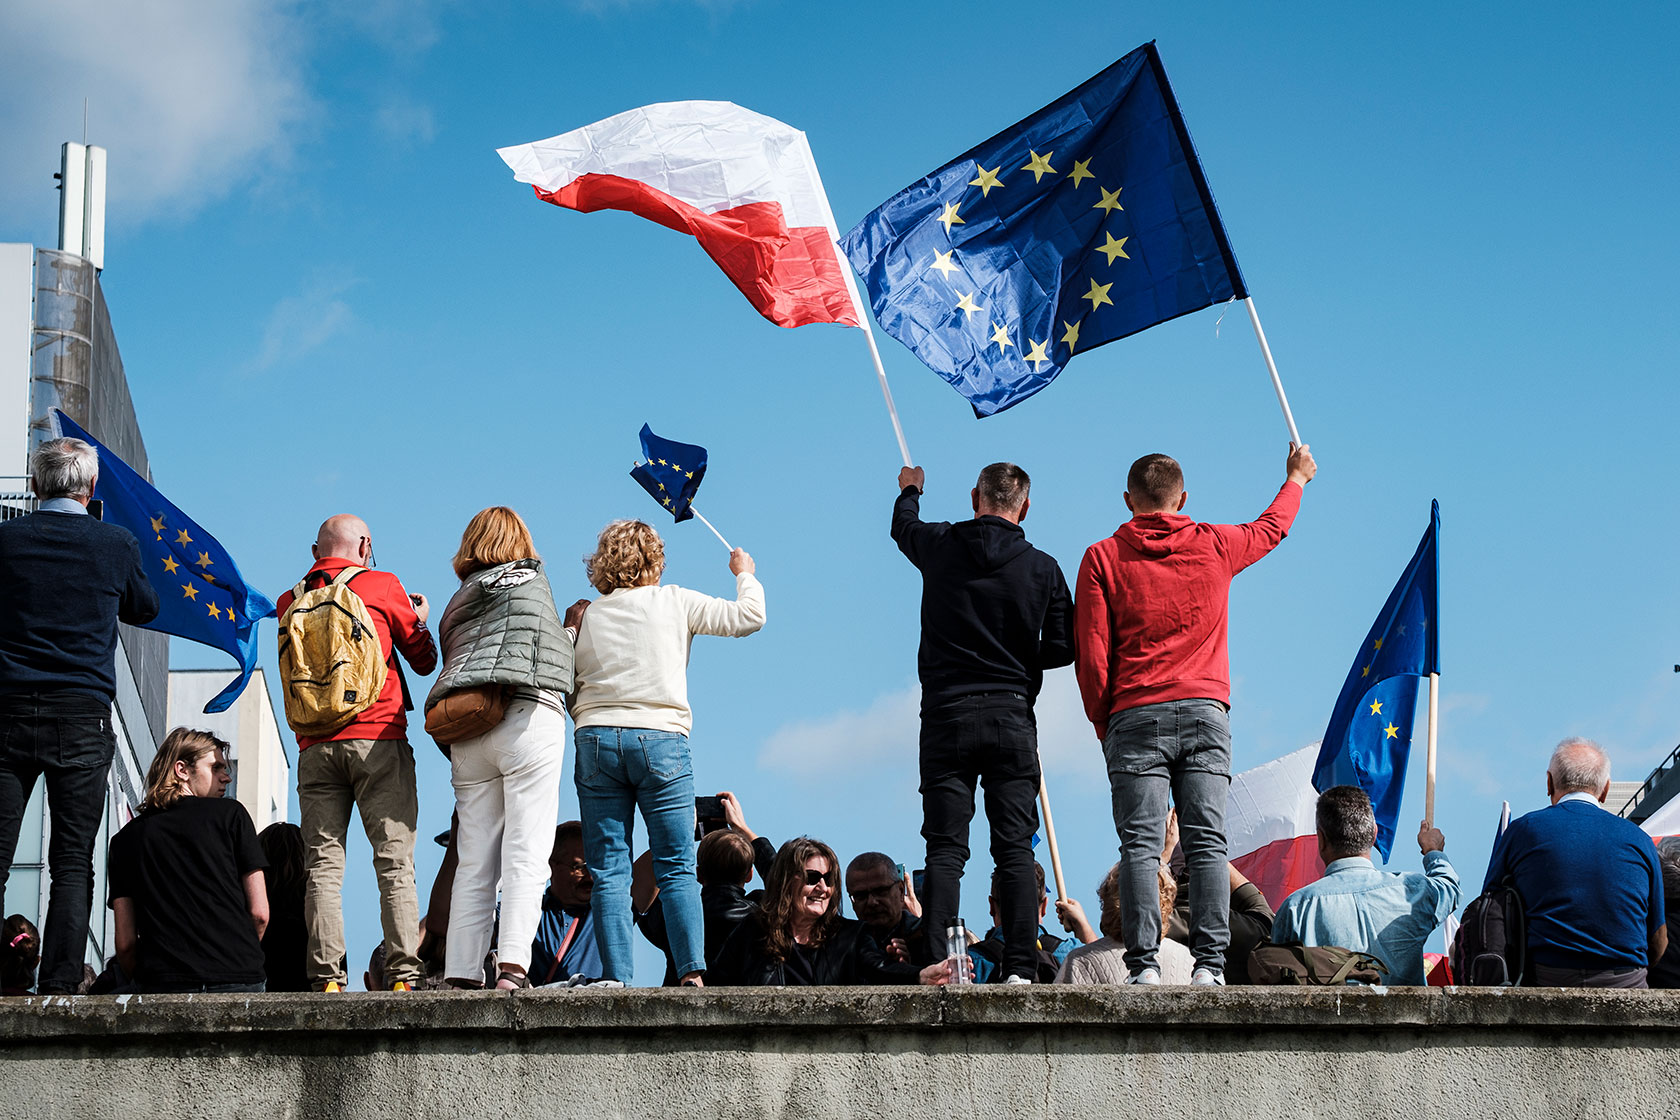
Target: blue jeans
{"points": [[618, 769], [1182, 747]]}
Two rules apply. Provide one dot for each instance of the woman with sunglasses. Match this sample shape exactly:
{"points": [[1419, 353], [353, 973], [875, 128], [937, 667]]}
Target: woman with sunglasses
{"points": [[798, 937]]}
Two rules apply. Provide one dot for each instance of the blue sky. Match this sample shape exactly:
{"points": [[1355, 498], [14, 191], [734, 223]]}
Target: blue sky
{"points": [[331, 296]]}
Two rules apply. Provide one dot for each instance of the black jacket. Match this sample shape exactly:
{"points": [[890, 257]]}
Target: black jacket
{"points": [[996, 611], [67, 578], [723, 906], [848, 955]]}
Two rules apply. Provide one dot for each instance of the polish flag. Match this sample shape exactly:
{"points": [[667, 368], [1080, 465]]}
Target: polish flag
{"points": [[743, 185], [1664, 822], [1271, 825]]}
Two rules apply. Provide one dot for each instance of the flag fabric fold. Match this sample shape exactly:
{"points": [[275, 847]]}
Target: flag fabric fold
{"points": [[672, 473], [1369, 737], [204, 598], [1086, 222], [1271, 829], [744, 185]]}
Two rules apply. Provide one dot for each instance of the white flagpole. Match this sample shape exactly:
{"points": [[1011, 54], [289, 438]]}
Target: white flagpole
{"points": [[710, 526], [858, 308], [1271, 367], [1429, 755]]}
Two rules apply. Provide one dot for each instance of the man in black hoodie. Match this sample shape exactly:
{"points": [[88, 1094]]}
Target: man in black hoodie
{"points": [[996, 613]]}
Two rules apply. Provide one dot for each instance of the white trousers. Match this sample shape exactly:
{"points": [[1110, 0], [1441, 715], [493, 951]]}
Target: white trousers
{"points": [[507, 802]]}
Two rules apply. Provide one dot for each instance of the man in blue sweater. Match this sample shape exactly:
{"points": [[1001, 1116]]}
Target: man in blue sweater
{"points": [[66, 579], [1590, 880]]}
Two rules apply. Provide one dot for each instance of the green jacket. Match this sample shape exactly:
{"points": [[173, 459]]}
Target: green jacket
{"points": [[501, 627]]}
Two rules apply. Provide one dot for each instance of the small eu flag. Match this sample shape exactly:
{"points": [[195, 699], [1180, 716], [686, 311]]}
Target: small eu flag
{"points": [[672, 472], [1086, 222], [203, 596], [1370, 732]]}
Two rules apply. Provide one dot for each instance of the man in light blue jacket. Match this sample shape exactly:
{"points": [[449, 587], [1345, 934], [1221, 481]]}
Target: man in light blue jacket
{"points": [[1388, 914]]}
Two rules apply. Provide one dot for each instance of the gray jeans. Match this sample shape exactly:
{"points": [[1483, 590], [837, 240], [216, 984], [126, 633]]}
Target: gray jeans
{"points": [[1181, 747]]}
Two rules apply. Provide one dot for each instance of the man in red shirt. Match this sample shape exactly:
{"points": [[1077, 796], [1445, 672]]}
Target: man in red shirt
{"points": [[1149, 624], [368, 764]]}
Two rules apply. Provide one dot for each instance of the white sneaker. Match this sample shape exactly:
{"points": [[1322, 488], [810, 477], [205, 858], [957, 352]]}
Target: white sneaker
{"points": [[605, 984], [1207, 978], [1016, 980], [1149, 977]]}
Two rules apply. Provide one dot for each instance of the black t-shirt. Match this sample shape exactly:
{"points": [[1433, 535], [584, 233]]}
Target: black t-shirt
{"points": [[184, 867], [800, 968]]}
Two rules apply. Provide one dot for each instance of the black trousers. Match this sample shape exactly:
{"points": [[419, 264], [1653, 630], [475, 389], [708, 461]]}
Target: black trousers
{"points": [[989, 740], [68, 741]]}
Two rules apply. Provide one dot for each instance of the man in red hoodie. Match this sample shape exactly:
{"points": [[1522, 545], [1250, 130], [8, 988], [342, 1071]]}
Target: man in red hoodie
{"points": [[369, 765], [1149, 624]]}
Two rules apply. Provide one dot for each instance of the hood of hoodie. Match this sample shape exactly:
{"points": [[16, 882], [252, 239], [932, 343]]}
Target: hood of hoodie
{"points": [[1157, 534], [991, 541]]}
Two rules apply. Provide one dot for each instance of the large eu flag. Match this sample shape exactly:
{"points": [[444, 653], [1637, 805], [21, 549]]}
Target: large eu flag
{"points": [[1086, 222], [204, 597], [1370, 732], [672, 473]]}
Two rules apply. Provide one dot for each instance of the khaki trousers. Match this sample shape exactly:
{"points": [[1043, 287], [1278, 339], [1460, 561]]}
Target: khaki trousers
{"points": [[376, 776]]}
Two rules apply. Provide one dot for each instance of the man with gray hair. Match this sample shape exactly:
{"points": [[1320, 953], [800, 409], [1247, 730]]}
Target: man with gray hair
{"points": [[1388, 914], [66, 580], [1590, 881]]}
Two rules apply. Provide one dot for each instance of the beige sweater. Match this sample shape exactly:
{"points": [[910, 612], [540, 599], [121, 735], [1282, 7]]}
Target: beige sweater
{"points": [[632, 651], [1104, 962]]}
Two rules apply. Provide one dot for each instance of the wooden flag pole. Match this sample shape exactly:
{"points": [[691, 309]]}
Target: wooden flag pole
{"points": [[1050, 838], [710, 526], [1429, 754], [1271, 367]]}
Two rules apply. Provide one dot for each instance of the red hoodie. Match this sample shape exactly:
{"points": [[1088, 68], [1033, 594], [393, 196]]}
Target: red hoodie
{"points": [[1151, 603]]}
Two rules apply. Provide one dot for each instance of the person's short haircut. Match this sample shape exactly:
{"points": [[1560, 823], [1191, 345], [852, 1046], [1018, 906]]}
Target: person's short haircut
{"points": [[1346, 824], [567, 832], [724, 858], [1003, 487], [64, 468], [1579, 766], [1108, 906], [873, 861], [628, 554], [494, 536], [1038, 874], [1155, 481]]}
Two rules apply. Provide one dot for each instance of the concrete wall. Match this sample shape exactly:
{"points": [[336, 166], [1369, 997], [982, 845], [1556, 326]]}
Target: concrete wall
{"points": [[861, 1052]]}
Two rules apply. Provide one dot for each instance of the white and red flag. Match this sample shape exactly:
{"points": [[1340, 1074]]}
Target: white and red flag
{"points": [[1665, 821], [742, 184], [1271, 827]]}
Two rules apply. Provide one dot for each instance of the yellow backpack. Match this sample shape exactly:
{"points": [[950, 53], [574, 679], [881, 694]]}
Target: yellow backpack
{"points": [[331, 662]]}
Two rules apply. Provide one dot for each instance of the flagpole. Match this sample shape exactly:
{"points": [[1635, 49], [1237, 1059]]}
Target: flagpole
{"points": [[1050, 838], [1429, 756], [858, 309], [1271, 367], [710, 526]]}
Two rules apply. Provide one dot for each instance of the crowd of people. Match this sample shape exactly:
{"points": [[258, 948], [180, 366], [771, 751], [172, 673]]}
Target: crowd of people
{"points": [[203, 903]]}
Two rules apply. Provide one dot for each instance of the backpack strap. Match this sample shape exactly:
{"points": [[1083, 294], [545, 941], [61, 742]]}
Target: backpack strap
{"points": [[345, 575]]}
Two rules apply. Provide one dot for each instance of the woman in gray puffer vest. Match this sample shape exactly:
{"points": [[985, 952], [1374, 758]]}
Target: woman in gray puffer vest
{"points": [[502, 628]]}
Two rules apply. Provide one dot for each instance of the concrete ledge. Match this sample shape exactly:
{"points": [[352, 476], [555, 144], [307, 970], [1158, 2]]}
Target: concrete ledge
{"points": [[877, 1052]]}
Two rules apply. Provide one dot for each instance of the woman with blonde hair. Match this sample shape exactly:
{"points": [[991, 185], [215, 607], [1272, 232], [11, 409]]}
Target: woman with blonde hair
{"points": [[186, 877], [632, 716], [502, 637]]}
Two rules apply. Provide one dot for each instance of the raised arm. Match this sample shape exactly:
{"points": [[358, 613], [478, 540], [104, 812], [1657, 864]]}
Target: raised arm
{"points": [[908, 530], [721, 617], [1444, 888], [1245, 544], [407, 615]]}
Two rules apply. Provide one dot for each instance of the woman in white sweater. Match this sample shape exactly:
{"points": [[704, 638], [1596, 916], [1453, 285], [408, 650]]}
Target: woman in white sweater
{"points": [[632, 716]]}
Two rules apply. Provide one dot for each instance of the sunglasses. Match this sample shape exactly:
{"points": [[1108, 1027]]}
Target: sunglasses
{"points": [[813, 877], [886, 892]]}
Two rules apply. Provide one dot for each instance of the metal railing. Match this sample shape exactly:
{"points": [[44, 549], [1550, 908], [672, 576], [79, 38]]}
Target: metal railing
{"points": [[1651, 782], [15, 497]]}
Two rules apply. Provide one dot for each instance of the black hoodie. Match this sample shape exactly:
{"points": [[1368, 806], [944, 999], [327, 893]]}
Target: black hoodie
{"points": [[996, 611]]}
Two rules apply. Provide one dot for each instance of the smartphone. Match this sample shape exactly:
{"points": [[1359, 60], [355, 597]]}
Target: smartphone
{"points": [[916, 878], [708, 816]]}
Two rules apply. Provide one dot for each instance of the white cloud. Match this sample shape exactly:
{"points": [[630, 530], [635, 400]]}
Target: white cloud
{"points": [[402, 120], [858, 741], [300, 323], [192, 97]]}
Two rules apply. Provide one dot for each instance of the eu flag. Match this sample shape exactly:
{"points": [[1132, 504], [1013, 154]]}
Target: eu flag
{"points": [[1086, 222], [204, 597], [672, 472], [1370, 732]]}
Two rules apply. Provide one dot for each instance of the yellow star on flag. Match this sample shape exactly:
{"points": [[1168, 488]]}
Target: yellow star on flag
{"points": [[204, 560], [1377, 644], [1081, 171], [967, 305], [169, 564], [1365, 672], [1000, 335], [987, 179], [1071, 335], [665, 501], [1039, 165], [217, 614], [1391, 732], [1376, 707], [949, 217], [1098, 295], [1109, 202], [675, 467], [1111, 248], [157, 527], [688, 474], [1037, 355], [189, 591], [182, 538], [663, 463], [942, 262]]}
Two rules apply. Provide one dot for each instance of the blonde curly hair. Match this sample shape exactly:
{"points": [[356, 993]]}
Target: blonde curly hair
{"points": [[629, 553]]}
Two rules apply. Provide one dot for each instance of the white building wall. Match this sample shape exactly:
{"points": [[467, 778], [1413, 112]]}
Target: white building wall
{"points": [[17, 324]]}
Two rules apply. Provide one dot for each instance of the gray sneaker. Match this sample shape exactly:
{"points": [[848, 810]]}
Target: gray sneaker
{"points": [[1207, 978], [1149, 977], [1016, 980]]}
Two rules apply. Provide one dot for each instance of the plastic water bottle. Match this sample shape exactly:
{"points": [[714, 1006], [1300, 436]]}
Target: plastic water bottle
{"points": [[956, 951]]}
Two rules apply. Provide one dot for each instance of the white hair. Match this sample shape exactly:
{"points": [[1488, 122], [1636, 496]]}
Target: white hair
{"points": [[1579, 765], [64, 468]]}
